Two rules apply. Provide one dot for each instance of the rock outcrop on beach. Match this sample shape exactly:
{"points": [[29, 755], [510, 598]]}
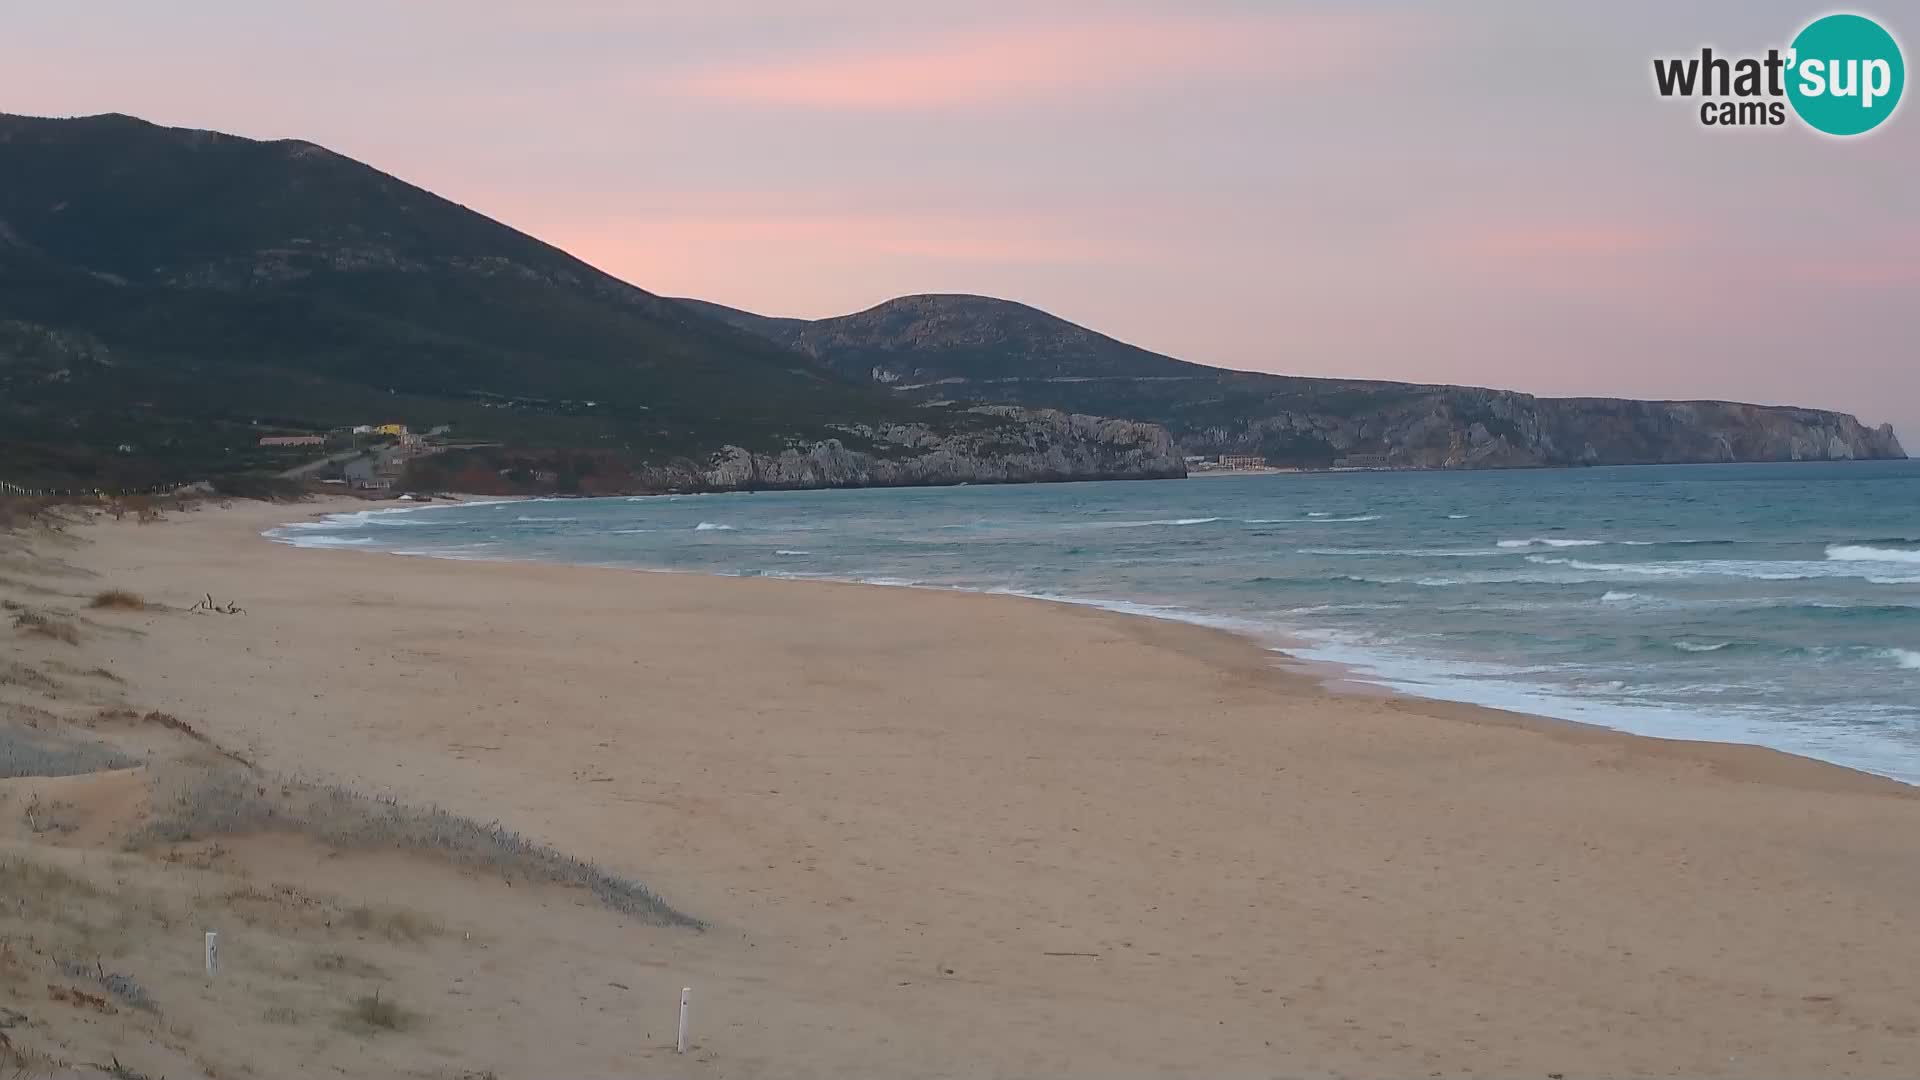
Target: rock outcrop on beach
{"points": [[976, 348]]}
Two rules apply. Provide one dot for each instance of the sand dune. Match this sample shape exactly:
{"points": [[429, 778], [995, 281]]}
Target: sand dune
{"points": [[952, 835]]}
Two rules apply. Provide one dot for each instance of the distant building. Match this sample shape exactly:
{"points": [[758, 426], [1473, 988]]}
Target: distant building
{"points": [[1242, 461], [367, 474], [363, 429], [440, 429], [293, 440], [391, 429]]}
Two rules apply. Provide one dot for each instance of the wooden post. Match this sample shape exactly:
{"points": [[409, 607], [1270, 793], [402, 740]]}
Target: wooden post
{"points": [[686, 992], [213, 953]]}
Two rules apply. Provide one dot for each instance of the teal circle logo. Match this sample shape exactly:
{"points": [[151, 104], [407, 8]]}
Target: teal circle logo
{"points": [[1846, 74]]}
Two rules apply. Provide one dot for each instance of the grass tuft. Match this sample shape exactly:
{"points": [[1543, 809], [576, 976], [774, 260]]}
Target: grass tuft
{"points": [[25, 879], [394, 924], [27, 753], [371, 1012], [123, 987], [33, 622], [119, 599], [334, 961]]}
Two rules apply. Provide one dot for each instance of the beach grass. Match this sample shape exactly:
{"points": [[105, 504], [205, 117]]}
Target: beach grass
{"points": [[118, 599], [43, 625], [25, 752], [394, 924], [372, 1012], [228, 801]]}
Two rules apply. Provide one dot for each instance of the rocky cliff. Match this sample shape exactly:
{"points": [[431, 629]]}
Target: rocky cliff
{"points": [[1457, 427], [1039, 446], [1004, 446], [976, 348]]}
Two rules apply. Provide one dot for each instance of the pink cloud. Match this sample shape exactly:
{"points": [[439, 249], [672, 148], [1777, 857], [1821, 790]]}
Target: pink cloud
{"points": [[1053, 61]]}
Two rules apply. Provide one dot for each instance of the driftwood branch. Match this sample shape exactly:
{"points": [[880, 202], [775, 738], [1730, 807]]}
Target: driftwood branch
{"points": [[231, 607]]}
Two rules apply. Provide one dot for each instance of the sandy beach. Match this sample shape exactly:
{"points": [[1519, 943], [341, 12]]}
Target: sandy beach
{"points": [[945, 834]]}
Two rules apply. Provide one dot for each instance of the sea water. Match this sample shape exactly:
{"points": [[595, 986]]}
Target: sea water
{"points": [[1768, 604]]}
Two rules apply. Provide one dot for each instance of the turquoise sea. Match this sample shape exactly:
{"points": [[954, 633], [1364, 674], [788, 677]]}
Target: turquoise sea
{"points": [[1769, 604]]}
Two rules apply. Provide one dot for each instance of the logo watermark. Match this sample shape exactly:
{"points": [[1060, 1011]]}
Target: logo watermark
{"points": [[1842, 75]]}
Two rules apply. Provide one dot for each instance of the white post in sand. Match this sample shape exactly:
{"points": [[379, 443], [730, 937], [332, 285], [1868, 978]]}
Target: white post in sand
{"points": [[213, 953], [686, 992]]}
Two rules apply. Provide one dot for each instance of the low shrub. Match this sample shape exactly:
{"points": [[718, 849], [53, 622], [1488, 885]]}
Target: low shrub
{"points": [[118, 599]]}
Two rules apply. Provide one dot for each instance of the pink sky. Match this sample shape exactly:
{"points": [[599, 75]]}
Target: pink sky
{"points": [[1488, 194]]}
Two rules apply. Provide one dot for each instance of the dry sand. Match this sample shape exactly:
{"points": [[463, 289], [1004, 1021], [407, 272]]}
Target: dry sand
{"points": [[953, 835]]}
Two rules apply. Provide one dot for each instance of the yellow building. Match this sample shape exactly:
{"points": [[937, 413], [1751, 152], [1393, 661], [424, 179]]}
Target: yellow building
{"points": [[391, 429]]}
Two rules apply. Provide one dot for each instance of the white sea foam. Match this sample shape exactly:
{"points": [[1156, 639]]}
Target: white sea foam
{"points": [[1548, 541], [712, 526], [1164, 521], [1754, 569], [1906, 658], [1411, 553], [1252, 627], [1696, 646], [1457, 517], [1863, 553], [357, 518], [1319, 513], [1608, 704], [1325, 609], [792, 551], [457, 553], [1308, 520], [537, 518], [1613, 597], [632, 532], [323, 541]]}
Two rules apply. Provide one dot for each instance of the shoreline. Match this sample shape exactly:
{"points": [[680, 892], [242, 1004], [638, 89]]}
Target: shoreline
{"points": [[1336, 676], [1044, 838]]}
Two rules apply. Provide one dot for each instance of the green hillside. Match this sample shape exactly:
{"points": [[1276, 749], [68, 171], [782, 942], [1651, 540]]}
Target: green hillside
{"points": [[181, 292]]}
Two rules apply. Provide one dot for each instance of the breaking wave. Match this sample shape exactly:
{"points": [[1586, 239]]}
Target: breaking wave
{"points": [[1864, 553]]}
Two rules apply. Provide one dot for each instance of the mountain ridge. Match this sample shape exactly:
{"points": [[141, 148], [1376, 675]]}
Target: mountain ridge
{"points": [[972, 347], [169, 294]]}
